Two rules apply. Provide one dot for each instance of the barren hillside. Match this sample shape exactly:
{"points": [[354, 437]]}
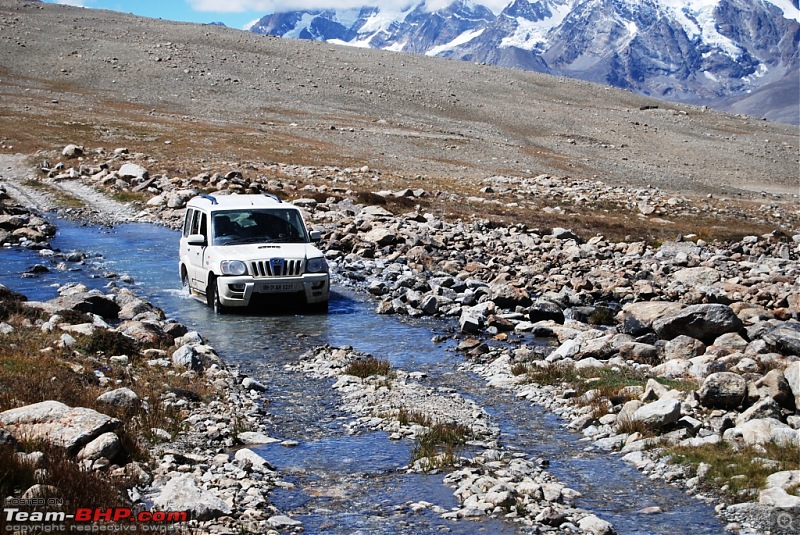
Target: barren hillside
{"points": [[189, 94]]}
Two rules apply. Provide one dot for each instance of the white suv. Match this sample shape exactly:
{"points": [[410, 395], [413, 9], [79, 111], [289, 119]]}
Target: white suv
{"points": [[238, 249]]}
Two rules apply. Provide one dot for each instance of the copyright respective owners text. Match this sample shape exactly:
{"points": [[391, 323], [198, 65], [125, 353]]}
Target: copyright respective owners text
{"points": [[48, 515]]}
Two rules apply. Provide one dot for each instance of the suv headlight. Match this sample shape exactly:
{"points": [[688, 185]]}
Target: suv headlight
{"points": [[232, 267], [316, 265]]}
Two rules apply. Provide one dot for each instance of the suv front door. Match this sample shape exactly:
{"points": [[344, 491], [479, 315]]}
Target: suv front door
{"points": [[196, 224]]}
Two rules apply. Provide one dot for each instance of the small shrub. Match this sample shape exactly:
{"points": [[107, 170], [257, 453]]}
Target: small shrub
{"points": [[553, 374], [441, 444], [520, 368], [369, 198], [406, 417], [107, 342], [367, 367]]}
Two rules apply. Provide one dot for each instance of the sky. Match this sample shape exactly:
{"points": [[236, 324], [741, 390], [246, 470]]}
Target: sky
{"points": [[233, 13]]}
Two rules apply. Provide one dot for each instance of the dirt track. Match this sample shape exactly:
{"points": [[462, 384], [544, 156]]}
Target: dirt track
{"points": [[189, 94]]}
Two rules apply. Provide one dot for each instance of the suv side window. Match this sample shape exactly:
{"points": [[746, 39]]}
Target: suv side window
{"points": [[197, 224], [187, 222]]}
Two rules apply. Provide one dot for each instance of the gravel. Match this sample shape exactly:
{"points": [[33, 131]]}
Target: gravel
{"points": [[84, 76]]}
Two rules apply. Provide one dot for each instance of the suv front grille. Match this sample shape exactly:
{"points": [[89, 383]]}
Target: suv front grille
{"points": [[277, 267]]}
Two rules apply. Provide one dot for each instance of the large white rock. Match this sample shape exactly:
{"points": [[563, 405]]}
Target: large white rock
{"points": [[183, 494], [57, 424], [659, 414]]}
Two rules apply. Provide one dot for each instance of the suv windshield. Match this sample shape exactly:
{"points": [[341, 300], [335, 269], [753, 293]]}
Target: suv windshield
{"points": [[274, 225]]}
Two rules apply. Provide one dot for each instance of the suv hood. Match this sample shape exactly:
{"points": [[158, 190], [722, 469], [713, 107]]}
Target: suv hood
{"points": [[261, 251]]}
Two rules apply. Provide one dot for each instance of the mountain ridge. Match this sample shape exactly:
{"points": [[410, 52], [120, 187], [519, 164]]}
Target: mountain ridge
{"points": [[702, 52]]}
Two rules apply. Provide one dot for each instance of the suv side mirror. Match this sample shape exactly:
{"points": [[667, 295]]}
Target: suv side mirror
{"points": [[196, 239], [315, 235]]}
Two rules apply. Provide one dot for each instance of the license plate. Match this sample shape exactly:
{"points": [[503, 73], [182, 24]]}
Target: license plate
{"points": [[278, 288]]}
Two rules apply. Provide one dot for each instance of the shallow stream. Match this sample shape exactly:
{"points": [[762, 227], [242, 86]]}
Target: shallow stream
{"points": [[351, 484]]}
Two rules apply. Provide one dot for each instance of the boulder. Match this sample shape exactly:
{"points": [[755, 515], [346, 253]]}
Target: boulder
{"points": [[697, 276], [595, 525], [510, 297], [775, 492], [775, 386], [638, 318], [186, 357], [471, 321], [658, 414], [182, 494], [704, 322], [761, 431], [105, 446], [683, 347], [544, 310], [133, 171], [784, 338], [123, 398], [765, 408], [58, 424], [72, 151], [723, 390], [792, 376]]}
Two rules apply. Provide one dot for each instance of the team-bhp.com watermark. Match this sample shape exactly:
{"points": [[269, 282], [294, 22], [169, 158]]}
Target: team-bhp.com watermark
{"points": [[47, 517]]}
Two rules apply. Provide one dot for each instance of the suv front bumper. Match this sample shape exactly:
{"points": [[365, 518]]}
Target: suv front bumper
{"points": [[238, 291]]}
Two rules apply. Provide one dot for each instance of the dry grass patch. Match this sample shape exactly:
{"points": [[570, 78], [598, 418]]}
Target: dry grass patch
{"points": [[31, 372], [367, 367], [736, 473], [440, 446], [75, 486], [61, 197]]}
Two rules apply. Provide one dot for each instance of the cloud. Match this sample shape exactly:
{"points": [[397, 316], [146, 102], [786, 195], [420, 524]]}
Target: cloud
{"points": [[76, 3], [266, 7]]}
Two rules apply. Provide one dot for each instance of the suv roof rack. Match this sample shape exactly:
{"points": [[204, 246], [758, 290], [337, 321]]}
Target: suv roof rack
{"points": [[273, 196], [209, 197]]}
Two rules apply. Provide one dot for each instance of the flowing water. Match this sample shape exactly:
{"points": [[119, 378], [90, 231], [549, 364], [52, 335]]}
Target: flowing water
{"points": [[354, 483]]}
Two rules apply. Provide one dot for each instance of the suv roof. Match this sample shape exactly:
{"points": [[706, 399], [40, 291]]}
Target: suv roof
{"points": [[238, 201]]}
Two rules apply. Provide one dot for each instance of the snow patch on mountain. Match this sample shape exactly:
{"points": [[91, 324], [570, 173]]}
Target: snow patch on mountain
{"points": [[532, 34], [462, 39]]}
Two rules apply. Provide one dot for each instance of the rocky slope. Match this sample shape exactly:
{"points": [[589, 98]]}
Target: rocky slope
{"points": [[185, 93], [698, 52]]}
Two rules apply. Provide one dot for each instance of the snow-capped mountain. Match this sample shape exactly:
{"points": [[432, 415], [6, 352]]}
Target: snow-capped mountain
{"points": [[698, 51]]}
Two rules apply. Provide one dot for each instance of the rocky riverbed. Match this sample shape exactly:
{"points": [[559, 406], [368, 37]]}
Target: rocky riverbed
{"points": [[709, 331]]}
